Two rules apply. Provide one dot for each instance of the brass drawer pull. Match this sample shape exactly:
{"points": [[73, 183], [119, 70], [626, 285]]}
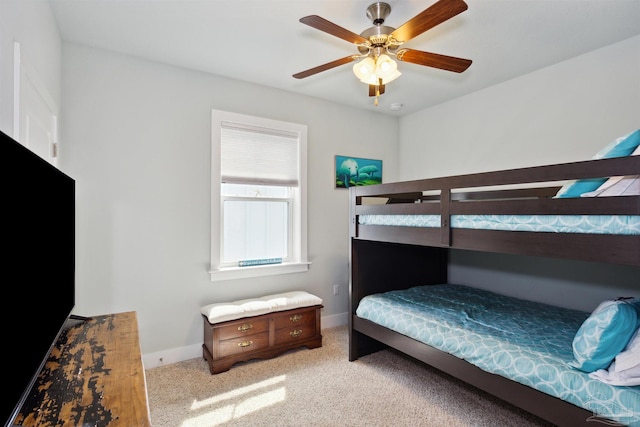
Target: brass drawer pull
{"points": [[245, 327], [296, 318], [245, 343], [295, 333]]}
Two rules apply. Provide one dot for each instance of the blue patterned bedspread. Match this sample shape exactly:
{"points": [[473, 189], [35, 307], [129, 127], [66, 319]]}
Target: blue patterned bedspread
{"points": [[595, 224], [525, 341]]}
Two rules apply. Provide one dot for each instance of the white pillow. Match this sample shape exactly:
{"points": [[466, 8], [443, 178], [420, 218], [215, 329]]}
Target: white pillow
{"points": [[625, 368], [618, 185], [628, 377], [630, 356]]}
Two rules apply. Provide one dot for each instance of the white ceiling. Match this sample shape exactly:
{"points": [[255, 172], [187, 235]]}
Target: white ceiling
{"points": [[262, 41]]}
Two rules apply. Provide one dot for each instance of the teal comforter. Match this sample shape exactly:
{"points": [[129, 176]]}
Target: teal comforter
{"points": [[524, 341]]}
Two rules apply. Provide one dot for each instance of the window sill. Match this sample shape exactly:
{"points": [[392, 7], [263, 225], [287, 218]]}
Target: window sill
{"points": [[258, 271]]}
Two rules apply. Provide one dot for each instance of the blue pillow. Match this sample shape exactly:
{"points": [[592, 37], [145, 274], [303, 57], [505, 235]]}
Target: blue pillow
{"points": [[621, 147], [579, 187], [604, 334]]}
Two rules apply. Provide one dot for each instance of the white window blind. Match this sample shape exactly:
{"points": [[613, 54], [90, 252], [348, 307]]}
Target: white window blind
{"points": [[253, 155]]}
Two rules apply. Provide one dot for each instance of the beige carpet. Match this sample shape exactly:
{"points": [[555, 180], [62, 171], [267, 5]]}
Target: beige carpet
{"points": [[320, 387]]}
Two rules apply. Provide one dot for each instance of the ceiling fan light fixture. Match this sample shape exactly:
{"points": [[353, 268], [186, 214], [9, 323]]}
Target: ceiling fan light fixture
{"points": [[365, 70], [384, 64], [370, 71], [391, 76], [386, 69]]}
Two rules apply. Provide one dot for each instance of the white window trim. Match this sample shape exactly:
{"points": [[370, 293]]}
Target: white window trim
{"points": [[301, 264]]}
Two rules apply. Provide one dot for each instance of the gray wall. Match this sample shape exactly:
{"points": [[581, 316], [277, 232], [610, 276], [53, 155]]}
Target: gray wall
{"points": [[562, 113], [137, 138]]}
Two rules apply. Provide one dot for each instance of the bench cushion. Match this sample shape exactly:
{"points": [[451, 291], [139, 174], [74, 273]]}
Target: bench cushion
{"points": [[225, 311]]}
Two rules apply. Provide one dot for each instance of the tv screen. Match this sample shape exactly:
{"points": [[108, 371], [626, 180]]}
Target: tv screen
{"points": [[38, 265]]}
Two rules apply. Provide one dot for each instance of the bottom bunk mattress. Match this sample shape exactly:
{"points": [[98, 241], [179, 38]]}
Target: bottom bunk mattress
{"points": [[525, 341]]}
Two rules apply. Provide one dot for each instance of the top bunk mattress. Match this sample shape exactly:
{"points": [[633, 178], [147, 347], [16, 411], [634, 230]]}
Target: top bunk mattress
{"points": [[589, 224], [525, 341]]}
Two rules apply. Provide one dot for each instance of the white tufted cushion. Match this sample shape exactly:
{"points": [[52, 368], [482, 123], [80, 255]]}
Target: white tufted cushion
{"points": [[225, 311]]}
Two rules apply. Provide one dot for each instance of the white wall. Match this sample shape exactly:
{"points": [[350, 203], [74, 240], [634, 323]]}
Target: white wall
{"points": [[565, 112], [137, 140], [562, 113]]}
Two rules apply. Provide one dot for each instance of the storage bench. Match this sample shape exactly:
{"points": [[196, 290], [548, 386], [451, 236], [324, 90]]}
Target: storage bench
{"points": [[259, 328]]}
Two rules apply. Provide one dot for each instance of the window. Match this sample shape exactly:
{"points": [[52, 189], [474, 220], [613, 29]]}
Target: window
{"points": [[258, 197]]}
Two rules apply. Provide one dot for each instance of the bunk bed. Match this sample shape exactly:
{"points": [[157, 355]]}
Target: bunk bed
{"points": [[401, 235]]}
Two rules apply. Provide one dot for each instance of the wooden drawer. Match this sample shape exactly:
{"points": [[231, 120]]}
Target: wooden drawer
{"points": [[242, 328], [297, 318], [246, 344], [293, 334], [260, 337]]}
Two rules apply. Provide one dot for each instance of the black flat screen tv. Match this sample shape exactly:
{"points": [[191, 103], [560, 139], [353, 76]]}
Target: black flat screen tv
{"points": [[38, 265]]}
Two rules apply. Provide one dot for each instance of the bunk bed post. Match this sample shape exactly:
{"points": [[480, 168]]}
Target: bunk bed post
{"points": [[445, 217], [380, 267], [353, 201]]}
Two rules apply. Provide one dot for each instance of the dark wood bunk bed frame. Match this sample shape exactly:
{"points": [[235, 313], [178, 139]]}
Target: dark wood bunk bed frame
{"points": [[385, 258]]}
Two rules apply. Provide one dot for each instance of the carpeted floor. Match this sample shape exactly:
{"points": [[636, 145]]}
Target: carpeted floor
{"points": [[320, 387]]}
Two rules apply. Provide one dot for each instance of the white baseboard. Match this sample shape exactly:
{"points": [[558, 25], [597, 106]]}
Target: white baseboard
{"points": [[334, 320], [175, 355]]}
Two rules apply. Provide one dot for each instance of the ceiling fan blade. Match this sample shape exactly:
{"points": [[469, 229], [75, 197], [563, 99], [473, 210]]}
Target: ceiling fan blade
{"points": [[325, 67], [335, 30], [435, 14], [435, 60]]}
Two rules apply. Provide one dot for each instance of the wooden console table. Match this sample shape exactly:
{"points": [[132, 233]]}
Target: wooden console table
{"points": [[93, 377]]}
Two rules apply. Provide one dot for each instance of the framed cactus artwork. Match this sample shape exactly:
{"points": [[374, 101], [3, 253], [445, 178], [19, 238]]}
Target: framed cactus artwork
{"points": [[354, 171]]}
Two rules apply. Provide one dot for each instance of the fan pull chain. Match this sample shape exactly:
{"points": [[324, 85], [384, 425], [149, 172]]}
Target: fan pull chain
{"points": [[376, 90], [375, 101]]}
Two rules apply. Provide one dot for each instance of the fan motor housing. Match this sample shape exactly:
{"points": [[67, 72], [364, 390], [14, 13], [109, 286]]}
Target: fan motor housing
{"points": [[377, 36], [378, 12]]}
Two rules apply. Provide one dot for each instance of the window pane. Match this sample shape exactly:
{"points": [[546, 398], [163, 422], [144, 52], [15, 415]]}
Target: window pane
{"points": [[255, 229]]}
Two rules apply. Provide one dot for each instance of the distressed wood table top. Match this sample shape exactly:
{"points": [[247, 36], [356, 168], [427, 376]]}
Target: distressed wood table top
{"points": [[94, 377]]}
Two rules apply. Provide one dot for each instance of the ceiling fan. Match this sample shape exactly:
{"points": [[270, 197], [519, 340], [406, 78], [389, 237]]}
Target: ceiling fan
{"points": [[378, 43]]}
